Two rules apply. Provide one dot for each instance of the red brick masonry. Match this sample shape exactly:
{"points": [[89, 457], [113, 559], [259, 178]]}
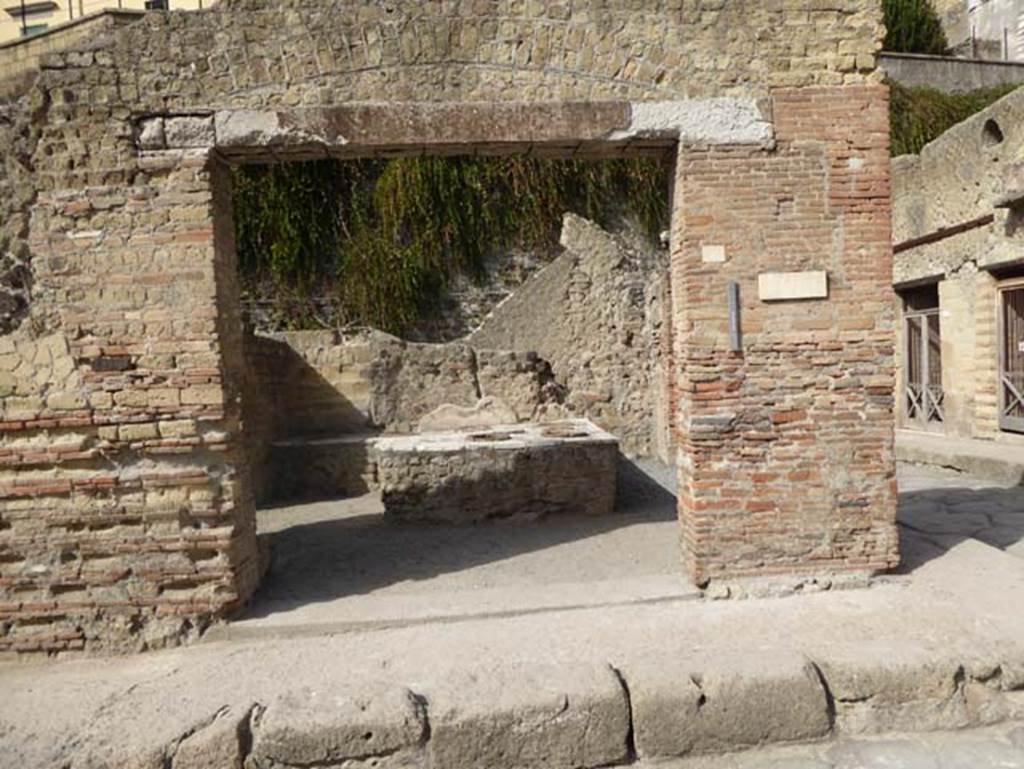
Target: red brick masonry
{"points": [[787, 446]]}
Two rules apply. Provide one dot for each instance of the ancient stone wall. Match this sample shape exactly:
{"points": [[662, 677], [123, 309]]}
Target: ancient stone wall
{"points": [[596, 315], [948, 73], [794, 428], [310, 392], [250, 52], [957, 177], [949, 230], [121, 476], [129, 351], [267, 364], [19, 132], [322, 383], [314, 382], [21, 55]]}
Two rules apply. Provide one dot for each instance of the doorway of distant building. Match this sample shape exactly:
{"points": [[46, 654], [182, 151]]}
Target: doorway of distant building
{"points": [[923, 392], [1011, 356]]}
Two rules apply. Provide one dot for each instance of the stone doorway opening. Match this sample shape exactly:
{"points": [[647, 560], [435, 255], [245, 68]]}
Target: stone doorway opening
{"points": [[924, 394], [524, 465]]}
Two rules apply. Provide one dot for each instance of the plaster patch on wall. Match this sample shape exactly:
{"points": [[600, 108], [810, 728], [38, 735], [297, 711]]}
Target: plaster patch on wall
{"points": [[782, 286], [712, 254]]}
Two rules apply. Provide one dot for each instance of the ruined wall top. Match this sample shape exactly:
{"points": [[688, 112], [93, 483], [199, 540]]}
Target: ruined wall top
{"points": [[960, 178]]}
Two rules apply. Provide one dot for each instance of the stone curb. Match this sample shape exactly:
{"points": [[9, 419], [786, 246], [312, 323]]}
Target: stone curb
{"points": [[680, 708], [588, 715], [996, 463]]}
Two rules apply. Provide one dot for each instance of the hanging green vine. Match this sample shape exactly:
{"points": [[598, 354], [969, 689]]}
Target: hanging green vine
{"points": [[379, 242], [920, 115]]}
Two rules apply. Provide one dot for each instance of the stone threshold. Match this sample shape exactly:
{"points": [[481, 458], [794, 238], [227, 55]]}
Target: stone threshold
{"points": [[337, 439], [992, 460], [414, 610]]}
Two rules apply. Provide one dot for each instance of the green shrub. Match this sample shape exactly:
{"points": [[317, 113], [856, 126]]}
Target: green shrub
{"points": [[913, 26]]}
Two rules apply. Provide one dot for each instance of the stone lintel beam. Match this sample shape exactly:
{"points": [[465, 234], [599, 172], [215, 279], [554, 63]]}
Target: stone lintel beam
{"points": [[552, 128]]}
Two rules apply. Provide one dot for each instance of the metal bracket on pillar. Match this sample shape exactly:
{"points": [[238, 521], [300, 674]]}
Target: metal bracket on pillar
{"points": [[735, 334]]}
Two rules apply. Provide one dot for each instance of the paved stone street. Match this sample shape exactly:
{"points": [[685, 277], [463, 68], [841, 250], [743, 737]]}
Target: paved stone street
{"points": [[1001, 747], [945, 506]]}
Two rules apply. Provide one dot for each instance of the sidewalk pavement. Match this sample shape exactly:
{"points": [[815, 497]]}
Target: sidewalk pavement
{"points": [[940, 648]]}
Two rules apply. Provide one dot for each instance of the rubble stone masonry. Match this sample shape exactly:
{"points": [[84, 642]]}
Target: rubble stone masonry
{"points": [[126, 501]]}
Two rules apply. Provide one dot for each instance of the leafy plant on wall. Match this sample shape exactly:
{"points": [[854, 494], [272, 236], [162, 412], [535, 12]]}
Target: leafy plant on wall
{"points": [[913, 26], [381, 241]]}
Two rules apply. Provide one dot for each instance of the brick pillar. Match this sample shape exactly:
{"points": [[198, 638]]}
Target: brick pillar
{"points": [[786, 462]]}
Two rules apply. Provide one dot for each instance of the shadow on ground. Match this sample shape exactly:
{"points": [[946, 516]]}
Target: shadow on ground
{"points": [[940, 508], [344, 560], [330, 550]]}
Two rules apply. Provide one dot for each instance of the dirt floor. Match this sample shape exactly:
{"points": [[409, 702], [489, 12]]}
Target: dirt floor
{"points": [[343, 564]]}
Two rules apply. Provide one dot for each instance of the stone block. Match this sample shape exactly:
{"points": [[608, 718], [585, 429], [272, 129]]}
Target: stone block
{"points": [[219, 744], [247, 128], [138, 432], [880, 688], [27, 405], [572, 715], [101, 399], [337, 724], [151, 134], [700, 121], [131, 398], [189, 132], [164, 397], [65, 401], [202, 395], [178, 428], [682, 707]]}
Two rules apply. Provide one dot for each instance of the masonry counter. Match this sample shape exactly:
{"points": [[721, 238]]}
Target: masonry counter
{"points": [[499, 472]]}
